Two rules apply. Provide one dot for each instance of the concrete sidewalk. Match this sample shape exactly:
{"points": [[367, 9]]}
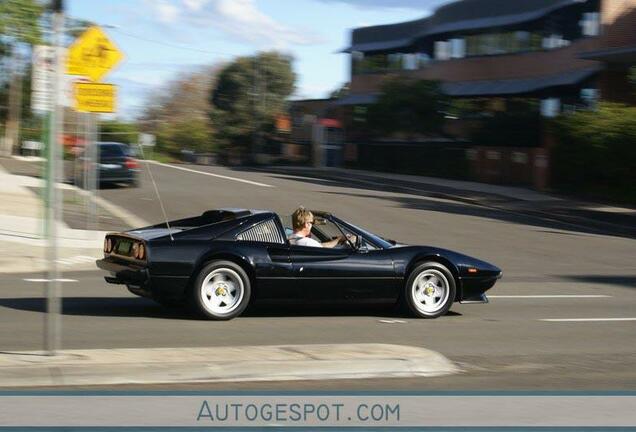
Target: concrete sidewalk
{"points": [[220, 364], [22, 242]]}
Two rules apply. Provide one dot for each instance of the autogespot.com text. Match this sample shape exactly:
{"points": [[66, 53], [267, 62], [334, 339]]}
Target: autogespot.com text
{"points": [[216, 413]]}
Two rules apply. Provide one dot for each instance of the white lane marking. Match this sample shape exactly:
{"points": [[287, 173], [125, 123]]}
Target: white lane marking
{"points": [[212, 175], [586, 319], [48, 280], [549, 296], [384, 321]]}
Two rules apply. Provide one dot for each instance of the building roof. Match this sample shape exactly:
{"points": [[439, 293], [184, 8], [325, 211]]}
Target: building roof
{"points": [[516, 86], [456, 16], [621, 55], [479, 88]]}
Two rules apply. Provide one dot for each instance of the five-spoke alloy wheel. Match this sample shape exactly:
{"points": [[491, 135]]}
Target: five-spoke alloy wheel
{"points": [[430, 290], [221, 291]]}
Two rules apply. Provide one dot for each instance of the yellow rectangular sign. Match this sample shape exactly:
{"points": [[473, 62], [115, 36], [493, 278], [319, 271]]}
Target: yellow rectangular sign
{"points": [[95, 97]]}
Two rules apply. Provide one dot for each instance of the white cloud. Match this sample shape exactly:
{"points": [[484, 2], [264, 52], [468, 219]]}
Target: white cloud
{"points": [[241, 20], [194, 5], [423, 5], [167, 13]]}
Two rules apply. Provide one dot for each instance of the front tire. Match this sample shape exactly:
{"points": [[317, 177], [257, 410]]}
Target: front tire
{"points": [[430, 290], [221, 291]]}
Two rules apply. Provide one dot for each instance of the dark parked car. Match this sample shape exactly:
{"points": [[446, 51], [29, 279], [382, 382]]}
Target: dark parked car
{"points": [[116, 164], [224, 259]]}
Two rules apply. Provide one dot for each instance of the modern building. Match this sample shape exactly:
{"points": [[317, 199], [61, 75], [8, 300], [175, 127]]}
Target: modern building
{"points": [[564, 54]]}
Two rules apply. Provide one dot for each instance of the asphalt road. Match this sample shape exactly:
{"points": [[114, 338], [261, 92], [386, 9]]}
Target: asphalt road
{"points": [[501, 345]]}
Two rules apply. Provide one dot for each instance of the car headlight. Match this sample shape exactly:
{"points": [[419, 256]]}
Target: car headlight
{"points": [[135, 250], [142, 251]]}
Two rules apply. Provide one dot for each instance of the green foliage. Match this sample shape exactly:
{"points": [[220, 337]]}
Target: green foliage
{"points": [[595, 153], [191, 134], [340, 92], [118, 131], [519, 125], [249, 94], [410, 107], [19, 20]]}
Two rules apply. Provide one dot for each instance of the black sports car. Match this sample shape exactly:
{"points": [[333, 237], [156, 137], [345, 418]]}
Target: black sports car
{"points": [[224, 259]]}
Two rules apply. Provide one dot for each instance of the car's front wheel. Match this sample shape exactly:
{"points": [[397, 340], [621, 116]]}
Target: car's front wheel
{"points": [[430, 290], [221, 291]]}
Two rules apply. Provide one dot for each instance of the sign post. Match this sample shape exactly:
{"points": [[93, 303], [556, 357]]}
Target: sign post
{"points": [[54, 205]]}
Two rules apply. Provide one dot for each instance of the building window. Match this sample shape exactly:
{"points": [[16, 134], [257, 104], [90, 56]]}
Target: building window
{"points": [[457, 48], [442, 50], [423, 59], [409, 62], [550, 107], [554, 41], [590, 24], [394, 61], [360, 114], [589, 96]]}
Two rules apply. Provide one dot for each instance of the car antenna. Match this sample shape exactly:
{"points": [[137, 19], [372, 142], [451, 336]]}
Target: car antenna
{"points": [[154, 184]]}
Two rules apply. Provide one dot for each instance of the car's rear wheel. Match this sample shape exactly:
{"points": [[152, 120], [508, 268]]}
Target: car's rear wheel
{"points": [[221, 291], [430, 290]]}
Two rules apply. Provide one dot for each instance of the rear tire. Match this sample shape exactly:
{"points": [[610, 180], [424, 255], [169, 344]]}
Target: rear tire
{"points": [[221, 291], [430, 290]]}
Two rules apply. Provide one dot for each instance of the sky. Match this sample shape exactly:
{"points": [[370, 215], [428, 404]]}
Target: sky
{"points": [[164, 38]]}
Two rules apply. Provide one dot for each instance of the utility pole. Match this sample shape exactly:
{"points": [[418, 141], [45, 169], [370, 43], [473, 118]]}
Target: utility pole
{"points": [[54, 203]]}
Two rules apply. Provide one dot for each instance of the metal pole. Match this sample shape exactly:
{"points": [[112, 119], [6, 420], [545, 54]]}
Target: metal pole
{"points": [[94, 169], [54, 210]]}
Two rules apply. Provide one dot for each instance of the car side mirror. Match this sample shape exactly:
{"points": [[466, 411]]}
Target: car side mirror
{"points": [[363, 248]]}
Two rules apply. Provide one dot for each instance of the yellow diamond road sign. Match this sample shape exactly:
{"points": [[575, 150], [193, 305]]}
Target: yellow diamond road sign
{"points": [[92, 55]]}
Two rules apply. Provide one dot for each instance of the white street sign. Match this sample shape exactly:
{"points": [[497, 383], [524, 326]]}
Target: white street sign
{"points": [[42, 78], [147, 140]]}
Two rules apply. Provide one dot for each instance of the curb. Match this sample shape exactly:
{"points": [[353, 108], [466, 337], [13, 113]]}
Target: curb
{"points": [[221, 364]]}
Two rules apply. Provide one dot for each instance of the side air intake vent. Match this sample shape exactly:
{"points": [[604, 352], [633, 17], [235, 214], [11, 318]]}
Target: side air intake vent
{"points": [[266, 232]]}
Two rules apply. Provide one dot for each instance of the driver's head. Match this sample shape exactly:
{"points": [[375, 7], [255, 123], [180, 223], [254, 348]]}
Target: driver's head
{"points": [[302, 220]]}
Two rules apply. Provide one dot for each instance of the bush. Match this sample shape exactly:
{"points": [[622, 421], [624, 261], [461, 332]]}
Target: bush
{"points": [[595, 154]]}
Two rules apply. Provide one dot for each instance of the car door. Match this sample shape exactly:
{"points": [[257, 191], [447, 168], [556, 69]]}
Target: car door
{"points": [[343, 273]]}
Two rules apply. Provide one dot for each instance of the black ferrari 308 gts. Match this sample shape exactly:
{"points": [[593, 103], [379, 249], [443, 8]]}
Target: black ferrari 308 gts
{"points": [[224, 259]]}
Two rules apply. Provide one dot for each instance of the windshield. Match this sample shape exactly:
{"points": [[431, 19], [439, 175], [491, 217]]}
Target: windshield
{"points": [[112, 150], [379, 241]]}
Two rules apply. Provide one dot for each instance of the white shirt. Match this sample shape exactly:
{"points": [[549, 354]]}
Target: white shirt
{"points": [[297, 239]]}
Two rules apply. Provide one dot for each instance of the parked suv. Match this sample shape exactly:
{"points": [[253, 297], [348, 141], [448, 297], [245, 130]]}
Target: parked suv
{"points": [[117, 164]]}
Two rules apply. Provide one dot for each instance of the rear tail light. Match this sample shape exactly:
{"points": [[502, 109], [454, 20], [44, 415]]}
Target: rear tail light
{"points": [[108, 245], [131, 163]]}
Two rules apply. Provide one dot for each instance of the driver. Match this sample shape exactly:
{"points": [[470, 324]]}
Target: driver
{"points": [[302, 221]]}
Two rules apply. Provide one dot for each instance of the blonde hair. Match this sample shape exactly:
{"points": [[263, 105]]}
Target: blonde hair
{"points": [[300, 217]]}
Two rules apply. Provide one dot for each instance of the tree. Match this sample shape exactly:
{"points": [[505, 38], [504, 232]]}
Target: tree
{"points": [[409, 107], [595, 152], [19, 26], [179, 114], [19, 21], [249, 94], [118, 131], [341, 91]]}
